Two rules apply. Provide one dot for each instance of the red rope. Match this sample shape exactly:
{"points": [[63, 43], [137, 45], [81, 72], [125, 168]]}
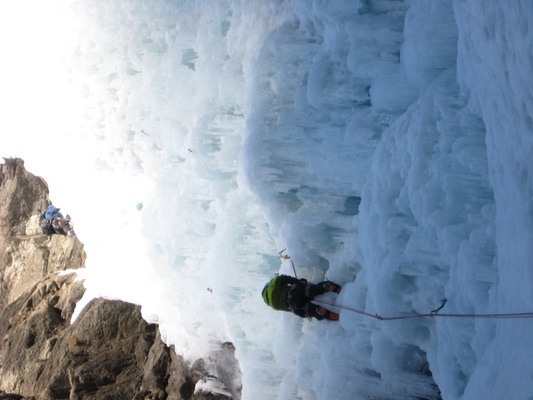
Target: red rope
{"points": [[432, 314]]}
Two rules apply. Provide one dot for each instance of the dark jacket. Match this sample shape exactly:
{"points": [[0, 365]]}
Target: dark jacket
{"points": [[276, 292]]}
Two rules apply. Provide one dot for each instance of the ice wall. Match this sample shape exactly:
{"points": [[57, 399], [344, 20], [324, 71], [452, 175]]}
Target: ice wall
{"points": [[311, 129]]}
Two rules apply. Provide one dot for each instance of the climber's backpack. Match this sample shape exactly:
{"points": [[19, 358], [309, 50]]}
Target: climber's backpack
{"points": [[46, 225]]}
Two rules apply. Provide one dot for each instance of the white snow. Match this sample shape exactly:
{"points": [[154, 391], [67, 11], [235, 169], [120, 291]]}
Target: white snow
{"points": [[245, 127], [211, 385]]}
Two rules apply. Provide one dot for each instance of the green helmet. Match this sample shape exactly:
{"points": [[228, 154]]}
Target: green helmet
{"points": [[267, 294]]}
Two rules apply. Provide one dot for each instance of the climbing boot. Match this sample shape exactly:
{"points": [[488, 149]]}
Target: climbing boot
{"points": [[330, 315], [332, 287]]}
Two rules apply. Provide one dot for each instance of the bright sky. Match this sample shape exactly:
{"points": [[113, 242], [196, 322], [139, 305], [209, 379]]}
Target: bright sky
{"points": [[36, 97], [42, 108], [44, 121]]}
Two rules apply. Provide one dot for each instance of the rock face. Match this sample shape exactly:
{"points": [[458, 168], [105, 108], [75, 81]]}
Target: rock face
{"points": [[28, 255], [109, 352]]}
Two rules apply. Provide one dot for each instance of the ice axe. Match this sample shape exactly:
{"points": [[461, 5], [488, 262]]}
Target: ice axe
{"points": [[287, 257]]}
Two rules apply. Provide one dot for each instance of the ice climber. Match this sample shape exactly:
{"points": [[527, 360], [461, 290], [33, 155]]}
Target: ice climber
{"points": [[285, 293]]}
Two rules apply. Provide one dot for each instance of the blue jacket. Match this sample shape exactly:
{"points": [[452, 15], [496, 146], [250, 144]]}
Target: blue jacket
{"points": [[52, 213]]}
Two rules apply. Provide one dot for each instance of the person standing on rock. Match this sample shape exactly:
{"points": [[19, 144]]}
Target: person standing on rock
{"points": [[285, 293]]}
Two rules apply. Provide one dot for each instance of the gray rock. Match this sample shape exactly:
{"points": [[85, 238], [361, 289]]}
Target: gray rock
{"points": [[110, 351]]}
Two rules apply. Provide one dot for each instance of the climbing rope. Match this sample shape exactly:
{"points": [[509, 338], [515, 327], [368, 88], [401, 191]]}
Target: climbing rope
{"points": [[434, 313]]}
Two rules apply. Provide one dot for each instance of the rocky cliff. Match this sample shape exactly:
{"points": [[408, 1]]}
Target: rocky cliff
{"points": [[109, 352]]}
